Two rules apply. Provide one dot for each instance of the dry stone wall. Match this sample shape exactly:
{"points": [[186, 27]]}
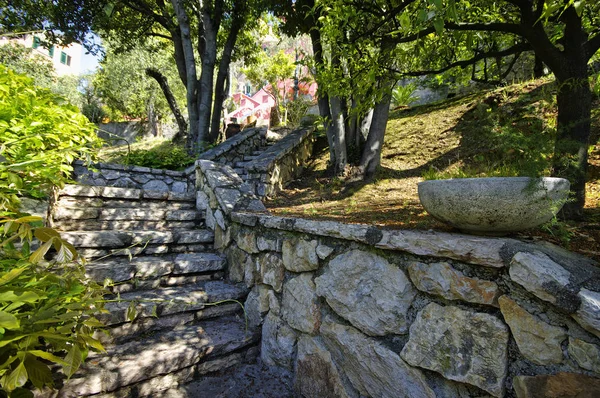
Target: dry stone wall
{"points": [[233, 149], [357, 310], [137, 177], [280, 163]]}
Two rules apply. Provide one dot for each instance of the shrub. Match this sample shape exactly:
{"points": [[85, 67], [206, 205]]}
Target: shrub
{"points": [[40, 136], [165, 156], [47, 308], [404, 95]]}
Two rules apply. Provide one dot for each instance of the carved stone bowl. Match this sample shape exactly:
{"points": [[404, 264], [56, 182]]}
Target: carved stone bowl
{"points": [[494, 205]]}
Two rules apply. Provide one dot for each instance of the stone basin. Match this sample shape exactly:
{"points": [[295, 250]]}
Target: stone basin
{"points": [[494, 205]]}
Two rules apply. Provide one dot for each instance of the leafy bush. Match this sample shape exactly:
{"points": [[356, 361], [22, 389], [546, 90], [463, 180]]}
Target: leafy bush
{"points": [[297, 110], [165, 156], [404, 95], [40, 136], [47, 308]]}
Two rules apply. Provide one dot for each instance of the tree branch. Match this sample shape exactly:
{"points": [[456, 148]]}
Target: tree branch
{"points": [[593, 45], [517, 48]]}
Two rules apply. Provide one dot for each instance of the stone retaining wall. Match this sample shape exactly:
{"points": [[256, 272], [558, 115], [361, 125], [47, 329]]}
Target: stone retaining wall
{"points": [[234, 149], [280, 163], [124, 176], [357, 310]]}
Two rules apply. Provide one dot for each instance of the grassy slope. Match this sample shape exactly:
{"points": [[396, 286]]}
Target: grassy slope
{"points": [[507, 131]]}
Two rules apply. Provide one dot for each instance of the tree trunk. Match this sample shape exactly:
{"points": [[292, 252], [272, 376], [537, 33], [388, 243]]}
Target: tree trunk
{"points": [[209, 59], [363, 129], [164, 85], [322, 98], [371, 156], [573, 132], [339, 136], [538, 68], [195, 134], [223, 72]]}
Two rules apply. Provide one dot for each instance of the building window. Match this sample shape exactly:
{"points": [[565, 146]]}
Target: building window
{"points": [[265, 99], [36, 42], [65, 59], [51, 51]]}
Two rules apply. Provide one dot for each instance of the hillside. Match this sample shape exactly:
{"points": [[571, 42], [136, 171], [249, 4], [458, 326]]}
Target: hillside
{"points": [[502, 132]]}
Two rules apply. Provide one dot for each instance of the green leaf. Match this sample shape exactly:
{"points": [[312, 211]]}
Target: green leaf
{"points": [[92, 342], [17, 378], [39, 373], [48, 356], [9, 321], [438, 24], [39, 254], [73, 360], [21, 393], [10, 275], [44, 234], [28, 219], [64, 254]]}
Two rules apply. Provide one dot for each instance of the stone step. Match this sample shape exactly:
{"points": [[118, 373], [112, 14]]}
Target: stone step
{"points": [[85, 202], [240, 165], [150, 249], [171, 300], [124, 238], [88, 213], [114, 225], [121, 269], [169, 352], [132, 330], [250, 157], [124, 193]]}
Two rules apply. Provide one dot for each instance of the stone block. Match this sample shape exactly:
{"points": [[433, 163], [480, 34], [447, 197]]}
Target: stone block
{"points": [[368, 291], [271, 270], [300, 255], [464, 346], [300, 305], [443, 280], [373, 369], [588, 314], [156, 185], [560, 385], [537, 341], [586, 355], [278, 347], [316, 373], [246, 240]]}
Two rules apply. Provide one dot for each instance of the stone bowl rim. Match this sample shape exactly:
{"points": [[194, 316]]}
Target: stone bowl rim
{"points": [[491, 179]]}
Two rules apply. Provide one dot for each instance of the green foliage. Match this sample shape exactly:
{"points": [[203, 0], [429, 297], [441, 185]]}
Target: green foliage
{"points": [[25, 60], [40, 136], [515, 135], [125, 89], [596, 85], [165, 156], [404, 95], [48, 309], [270, 69], [296, 110]]}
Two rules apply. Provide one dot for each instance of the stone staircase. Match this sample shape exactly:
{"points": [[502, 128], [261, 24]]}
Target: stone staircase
{"points": [[163, 327], [240, 166]]}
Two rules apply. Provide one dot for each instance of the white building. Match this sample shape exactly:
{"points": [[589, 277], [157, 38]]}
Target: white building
{"points": [[66, 60]]}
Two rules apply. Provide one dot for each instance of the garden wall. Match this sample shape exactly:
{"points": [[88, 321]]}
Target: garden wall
{"points": [[280, 163], [358, 310], [233, 149], [124, 176]]}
